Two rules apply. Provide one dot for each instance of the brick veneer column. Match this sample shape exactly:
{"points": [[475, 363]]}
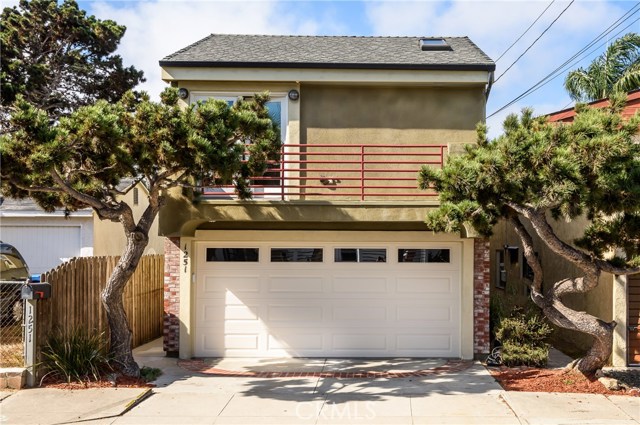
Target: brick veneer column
{"points": [[481, 282], [171, 332]]}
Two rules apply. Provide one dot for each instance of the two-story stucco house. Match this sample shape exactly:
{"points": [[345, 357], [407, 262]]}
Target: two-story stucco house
{"points": [[331, 257]]}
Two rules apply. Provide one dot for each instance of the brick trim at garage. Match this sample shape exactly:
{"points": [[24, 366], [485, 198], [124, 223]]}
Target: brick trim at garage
{"points": [[481, 281], [171, 333]]}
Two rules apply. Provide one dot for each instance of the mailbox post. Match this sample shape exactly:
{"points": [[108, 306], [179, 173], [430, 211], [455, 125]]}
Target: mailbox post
{"points": [[31, 292]]}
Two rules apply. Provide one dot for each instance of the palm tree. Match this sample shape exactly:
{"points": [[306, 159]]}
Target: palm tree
{"points": [[617, 69]]}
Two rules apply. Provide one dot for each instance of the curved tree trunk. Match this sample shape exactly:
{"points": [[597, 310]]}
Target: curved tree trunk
{"points": [[561, 315], [551, 302], [121, 336]]}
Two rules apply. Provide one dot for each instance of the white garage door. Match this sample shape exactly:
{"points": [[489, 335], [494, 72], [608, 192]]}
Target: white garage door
{"points": [[43, 247], [328, 300]]}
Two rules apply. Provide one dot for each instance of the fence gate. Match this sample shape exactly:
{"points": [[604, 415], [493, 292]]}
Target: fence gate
{"points": [[11, 329]]}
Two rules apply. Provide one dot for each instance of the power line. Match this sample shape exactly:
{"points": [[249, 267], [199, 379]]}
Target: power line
{"points": [[569, 62], [534, 42], [527, 30], [558, 71]]}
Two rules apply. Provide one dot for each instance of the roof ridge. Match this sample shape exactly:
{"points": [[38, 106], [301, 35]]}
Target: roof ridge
{"points": [[336, 36]]}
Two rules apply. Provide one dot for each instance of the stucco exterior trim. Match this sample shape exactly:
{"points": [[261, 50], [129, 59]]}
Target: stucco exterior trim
{"points": [[350, 76]]}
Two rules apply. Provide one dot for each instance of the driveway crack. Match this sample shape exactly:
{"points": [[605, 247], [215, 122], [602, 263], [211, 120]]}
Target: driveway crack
{"points": [[319, 377], [226, 404]]}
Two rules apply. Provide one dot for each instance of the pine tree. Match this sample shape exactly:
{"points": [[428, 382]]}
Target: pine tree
{"points": [[58, 58], [80, 162], [537, 172]]}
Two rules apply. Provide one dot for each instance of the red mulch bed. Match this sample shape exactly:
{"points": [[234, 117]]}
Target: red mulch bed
{"points": [[550, 380], [121, 382]]}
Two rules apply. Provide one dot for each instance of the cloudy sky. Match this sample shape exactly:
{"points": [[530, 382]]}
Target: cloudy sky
{"points": [[157, 28]]}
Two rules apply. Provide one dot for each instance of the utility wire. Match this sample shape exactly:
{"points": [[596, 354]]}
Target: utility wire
{"points": [[534, 41], [552, 75], [558, 71], [527, 30]]}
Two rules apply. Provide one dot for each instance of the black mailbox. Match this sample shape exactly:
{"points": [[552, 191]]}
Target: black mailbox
{"points": [[36, 291]]}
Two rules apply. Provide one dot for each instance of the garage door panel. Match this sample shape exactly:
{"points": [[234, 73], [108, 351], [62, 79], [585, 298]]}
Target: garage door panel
{"points": [[306, 284], [43, 247], [217, 286], [359, 285], [241, 342], [421, 314], [296, 342], [351, 314], [288, 314], [328, 309], [361, 342], [423, 284], [417, 342]]}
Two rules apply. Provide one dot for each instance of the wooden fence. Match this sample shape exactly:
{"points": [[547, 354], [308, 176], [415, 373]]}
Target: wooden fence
{"points": [[75, 300]]}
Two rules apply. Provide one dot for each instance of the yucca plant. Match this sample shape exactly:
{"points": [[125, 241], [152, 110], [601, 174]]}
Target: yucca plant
{"points": [[77, 354]]}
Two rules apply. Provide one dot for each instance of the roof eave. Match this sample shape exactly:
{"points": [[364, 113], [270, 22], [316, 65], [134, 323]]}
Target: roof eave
{"points": [[424, 67]]}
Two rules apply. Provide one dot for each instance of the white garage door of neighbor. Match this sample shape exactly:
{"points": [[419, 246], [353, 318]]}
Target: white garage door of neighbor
{"points": [[43, 247], [328, 300]]}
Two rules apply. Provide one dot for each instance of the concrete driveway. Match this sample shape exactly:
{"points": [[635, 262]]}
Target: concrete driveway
{"points": [[468, 396]]}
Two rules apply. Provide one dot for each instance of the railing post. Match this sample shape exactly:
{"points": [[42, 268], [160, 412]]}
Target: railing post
{"points": [[282, 176], [362, 172]]}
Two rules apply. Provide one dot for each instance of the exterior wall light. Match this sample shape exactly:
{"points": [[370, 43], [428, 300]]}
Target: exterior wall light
{"points": [[183, 93], [294, 94]]}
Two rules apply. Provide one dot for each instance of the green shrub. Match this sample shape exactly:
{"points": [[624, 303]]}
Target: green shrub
{"points": [[524, 355], [76, 355], [523, 338], [150, 374]]}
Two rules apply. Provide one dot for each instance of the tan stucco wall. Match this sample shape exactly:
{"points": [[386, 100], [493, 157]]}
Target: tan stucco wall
{"points": [[109, 238], [598, 302], [403, 115], [342, 114]]}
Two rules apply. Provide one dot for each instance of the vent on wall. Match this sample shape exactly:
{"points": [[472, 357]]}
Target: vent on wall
{"points": [[428, 44]]}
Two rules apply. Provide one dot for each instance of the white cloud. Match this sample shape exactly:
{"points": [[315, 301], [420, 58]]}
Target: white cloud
{"points": [[156, 29]]}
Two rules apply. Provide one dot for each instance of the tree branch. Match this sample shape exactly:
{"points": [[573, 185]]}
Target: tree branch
{"points": [[82, 197], [532, 260], [35, 188], [127, 189], [548, 235], [545, 231]]}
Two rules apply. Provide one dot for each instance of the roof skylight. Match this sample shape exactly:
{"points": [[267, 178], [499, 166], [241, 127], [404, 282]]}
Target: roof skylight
{"points": [[427, 44]]}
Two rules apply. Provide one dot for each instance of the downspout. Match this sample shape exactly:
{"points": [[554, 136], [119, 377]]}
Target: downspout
{"points": [[489, 85]]}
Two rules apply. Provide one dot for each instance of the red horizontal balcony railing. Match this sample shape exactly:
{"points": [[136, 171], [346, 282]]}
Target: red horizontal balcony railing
{"points": [[342, 171]]}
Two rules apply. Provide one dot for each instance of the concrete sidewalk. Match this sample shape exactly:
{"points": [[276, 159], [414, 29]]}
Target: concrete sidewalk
{"points": [[470, 396]]}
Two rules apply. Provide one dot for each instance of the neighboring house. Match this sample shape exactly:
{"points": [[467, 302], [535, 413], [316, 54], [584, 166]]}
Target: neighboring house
{"points": [[331, 258], [615, 298], [46, 240]]}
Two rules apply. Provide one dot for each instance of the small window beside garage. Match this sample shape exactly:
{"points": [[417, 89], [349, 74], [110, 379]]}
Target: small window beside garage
{"points": [[406, 255], [296, 255], [360, 255], [233, 254]]}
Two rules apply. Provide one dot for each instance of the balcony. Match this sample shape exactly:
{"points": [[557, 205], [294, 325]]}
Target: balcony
{"points": [[371, 172]]}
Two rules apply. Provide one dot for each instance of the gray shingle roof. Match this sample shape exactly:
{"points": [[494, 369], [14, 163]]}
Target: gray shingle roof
{"points": [[275, 51]]}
